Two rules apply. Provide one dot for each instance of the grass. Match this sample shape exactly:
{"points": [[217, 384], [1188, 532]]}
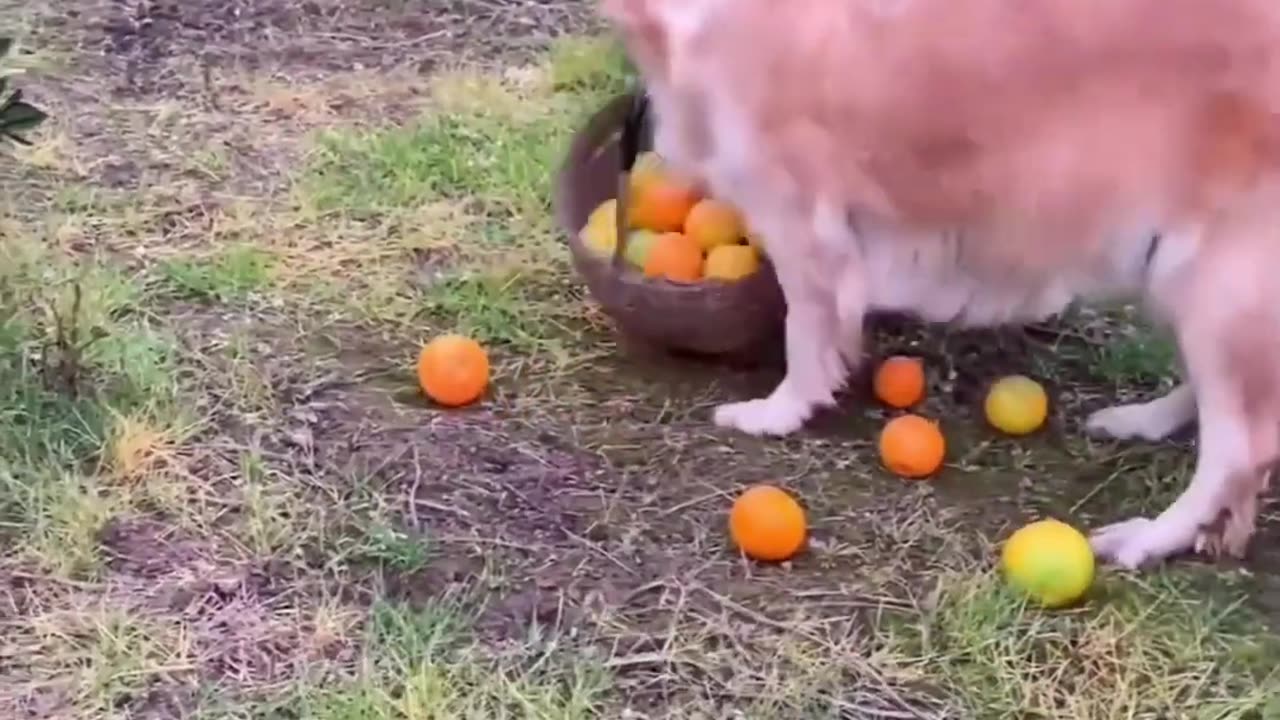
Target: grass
{"points": [[1003, 658], [222, 496], [420, 663], [69, 371], [231, 276]]}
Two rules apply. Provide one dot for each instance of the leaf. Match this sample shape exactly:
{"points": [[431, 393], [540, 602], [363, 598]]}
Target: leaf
{"points": [[18, 117], [15, 115]]}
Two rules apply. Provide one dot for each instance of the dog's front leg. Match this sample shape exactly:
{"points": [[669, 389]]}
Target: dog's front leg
{"points": [[819, 342]]}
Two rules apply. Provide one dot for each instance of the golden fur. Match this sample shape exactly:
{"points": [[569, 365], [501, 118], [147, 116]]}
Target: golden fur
{"points": [[988, 161]]}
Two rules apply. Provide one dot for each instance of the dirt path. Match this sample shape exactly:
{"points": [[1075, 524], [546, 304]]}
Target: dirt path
{"points": [[250, 512]]}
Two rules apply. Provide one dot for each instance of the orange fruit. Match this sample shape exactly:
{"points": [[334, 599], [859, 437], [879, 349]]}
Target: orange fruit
{"points": [[661, 205], [767, 524], [911, 446], [899, 381], [713, 222], [648, 169], [453, 370], [675, 257]]}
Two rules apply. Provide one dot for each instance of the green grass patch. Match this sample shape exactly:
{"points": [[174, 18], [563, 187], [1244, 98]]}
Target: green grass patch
{"points": [[1141, 357], [598, 66], [511, 309], [1116, 345], [423, 663], [392, 548], [491, 146], [229, 276], [75, 356], [502, 164], [1157, 646], [493, 141]]}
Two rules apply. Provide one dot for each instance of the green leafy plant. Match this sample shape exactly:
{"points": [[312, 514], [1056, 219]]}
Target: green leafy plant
{"points": [[16, 115]]}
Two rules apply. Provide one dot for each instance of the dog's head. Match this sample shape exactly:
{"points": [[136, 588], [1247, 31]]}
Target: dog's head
{"points": [[659, 33]]}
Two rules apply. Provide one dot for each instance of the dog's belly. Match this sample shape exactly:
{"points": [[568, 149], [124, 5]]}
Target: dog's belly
{"points": [[930, 278], [963, 301]]}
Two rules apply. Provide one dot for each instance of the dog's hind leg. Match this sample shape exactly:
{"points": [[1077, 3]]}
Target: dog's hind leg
{"points": [[1223, 456], [1227, 320], [1152, 420]]}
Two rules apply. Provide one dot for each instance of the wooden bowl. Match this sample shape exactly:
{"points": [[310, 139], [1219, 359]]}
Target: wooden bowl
{"points": [[709, 317]]}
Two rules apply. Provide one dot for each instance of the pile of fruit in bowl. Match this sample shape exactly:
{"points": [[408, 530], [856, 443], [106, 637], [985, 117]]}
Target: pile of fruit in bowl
{"points": [[673, 231]]}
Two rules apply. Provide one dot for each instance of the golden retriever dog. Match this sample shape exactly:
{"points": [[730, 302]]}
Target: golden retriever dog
{"points": [[988, 161]]}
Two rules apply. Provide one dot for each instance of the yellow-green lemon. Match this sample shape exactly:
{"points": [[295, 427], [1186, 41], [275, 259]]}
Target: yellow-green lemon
{"points": [[600, 234], [732, 262], [1016, 405], [1050, 561]]}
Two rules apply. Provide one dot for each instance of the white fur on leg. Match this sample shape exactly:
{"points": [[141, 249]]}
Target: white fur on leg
{"points": [[1135, 542], [817, 349], [782, 413], [1153, 420], [851, 311], [815, 371], [1138, 541]]}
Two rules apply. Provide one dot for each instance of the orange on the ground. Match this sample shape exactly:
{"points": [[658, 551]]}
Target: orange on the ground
{"points": [[453, 370], [899, 381], [911, 446], [767, 524]]}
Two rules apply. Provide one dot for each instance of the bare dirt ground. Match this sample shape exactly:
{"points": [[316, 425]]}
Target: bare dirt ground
{"points": [[232, 502]]}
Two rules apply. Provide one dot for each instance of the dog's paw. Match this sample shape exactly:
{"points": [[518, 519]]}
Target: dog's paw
{"points": [[767, 416], [1140, 541], [1125, 422]]}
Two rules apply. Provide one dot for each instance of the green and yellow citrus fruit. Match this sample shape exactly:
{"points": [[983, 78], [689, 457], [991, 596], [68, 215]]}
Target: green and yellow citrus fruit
{"points": [[1016, 405], [1050, 561], [639, 242]]}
